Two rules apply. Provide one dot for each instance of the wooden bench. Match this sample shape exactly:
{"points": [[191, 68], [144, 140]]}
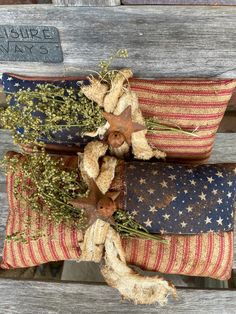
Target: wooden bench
{"points": [[163, 41]]}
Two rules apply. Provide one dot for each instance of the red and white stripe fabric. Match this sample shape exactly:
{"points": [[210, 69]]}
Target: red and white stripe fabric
{"points": [[188, 104], [207, 255], [45, 242]]}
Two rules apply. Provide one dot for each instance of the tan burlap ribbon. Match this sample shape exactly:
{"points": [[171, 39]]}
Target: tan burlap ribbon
{"points": [[103, 244]]}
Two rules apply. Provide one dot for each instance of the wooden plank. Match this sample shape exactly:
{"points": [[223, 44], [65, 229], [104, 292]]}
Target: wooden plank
{"points": [[2, 2], [86, 3], [14, 2], [186, 2], [163, 41], [33, 297]]}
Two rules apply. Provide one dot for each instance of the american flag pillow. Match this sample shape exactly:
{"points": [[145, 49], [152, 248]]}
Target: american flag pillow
{"points": [[202, 254], [189, 104]]}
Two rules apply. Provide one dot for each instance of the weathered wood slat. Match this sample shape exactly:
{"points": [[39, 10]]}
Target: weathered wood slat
{"points": [[163, 41], [187, 2], [87, 3], [14, 2], [18, 297]]}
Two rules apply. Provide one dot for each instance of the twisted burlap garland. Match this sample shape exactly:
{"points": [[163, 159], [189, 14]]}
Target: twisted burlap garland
{"points": [[101, 243], [115, 101]]}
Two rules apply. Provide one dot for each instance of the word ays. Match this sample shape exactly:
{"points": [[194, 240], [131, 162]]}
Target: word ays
{"points": [[30, 43]]}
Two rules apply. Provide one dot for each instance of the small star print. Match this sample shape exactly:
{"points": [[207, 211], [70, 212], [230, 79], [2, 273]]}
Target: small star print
{"points": [[219, 174], [140, 199], [193, 182], [208, 220], [166, 217], [219, 221], [152, 209], [142, 181], [148, 223], [164, 184], [189, 209], [219, 201], [210, 179], [151, 191], [183, 224], [202, 196], [172, 177]]}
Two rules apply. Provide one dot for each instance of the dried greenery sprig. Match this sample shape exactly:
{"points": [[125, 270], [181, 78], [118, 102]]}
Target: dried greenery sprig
{"points": [[155, 126], [128, 226], [45, 184], [41, 113], [105, 73]]}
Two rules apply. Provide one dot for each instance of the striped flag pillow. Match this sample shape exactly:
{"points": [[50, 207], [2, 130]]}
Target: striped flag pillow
{"points": [[206, 254], [189, 104], [46, 241]]}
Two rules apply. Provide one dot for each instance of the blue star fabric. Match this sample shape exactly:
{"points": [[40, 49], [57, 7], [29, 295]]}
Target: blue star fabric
{"points": [[70, 137], [177, 199]]}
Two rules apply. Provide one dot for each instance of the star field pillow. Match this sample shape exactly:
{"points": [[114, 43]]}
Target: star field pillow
{"points": [[63, 140], [190, 104], [178, 199], [208, 253]]}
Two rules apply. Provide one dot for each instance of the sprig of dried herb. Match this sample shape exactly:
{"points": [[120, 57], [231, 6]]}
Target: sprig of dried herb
{"points": [[41, 113], [126, 225], [105, 73], [45, 184], [155, 126]]}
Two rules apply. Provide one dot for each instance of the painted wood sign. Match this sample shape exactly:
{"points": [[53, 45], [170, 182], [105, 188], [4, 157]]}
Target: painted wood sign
{"points": [[30, 43]]}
